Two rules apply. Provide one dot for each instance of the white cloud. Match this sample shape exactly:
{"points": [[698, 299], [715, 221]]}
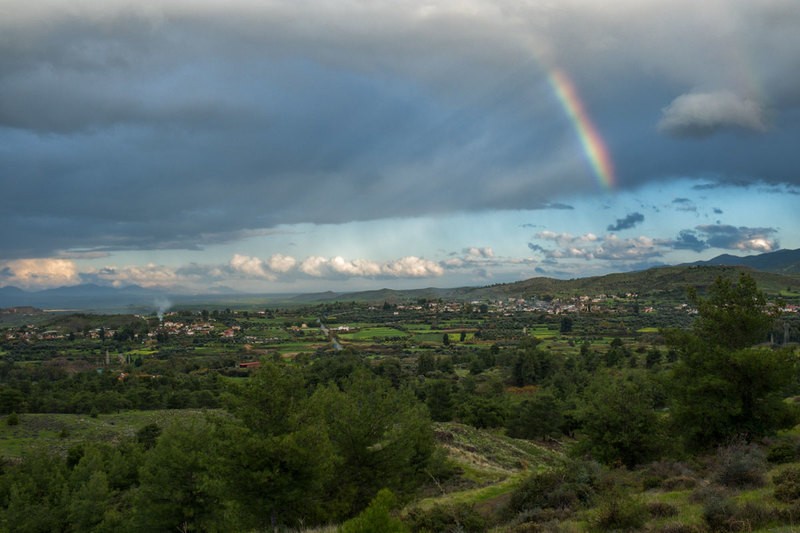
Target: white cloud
{"points": [[38, 273], [609, 247], [281, 263], [703, 114], [357, 267], [250, 266], [314, 266], [565, 239], [412, 267], [484, 253]]}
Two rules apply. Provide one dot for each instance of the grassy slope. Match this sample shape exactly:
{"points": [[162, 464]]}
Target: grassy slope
{"points": [[62, 431], [491, 465]]}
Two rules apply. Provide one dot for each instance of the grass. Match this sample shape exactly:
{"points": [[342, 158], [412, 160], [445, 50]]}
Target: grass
{"points": [[492, 461], [62, 431]]}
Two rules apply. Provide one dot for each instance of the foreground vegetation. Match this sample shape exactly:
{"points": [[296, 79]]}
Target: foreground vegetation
{"points": [[423, 416]]}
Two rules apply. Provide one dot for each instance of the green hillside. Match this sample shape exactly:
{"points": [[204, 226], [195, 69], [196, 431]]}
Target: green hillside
{"points": [[667, 282]]}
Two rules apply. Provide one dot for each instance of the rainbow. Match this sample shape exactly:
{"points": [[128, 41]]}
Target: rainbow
{"points": [[593, 145]]}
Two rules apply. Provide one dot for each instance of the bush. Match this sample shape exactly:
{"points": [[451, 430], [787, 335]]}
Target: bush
{"points": [[707, 492], [538, 519], [619, 511], [722, 514], [674, 475], [376, 517], [784, 450], [13, 419], [676, 527], [568, 487], [740, 466], [787, 484], [446, 518], [661, 509], [679, 483], [753, 515], [718, 513]]}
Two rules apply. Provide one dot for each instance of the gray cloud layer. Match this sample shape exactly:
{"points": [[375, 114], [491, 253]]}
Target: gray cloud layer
{"points": [[137, 125]]}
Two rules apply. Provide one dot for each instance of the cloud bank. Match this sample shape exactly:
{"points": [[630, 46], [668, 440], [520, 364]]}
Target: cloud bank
{"points": [[150, 126]]}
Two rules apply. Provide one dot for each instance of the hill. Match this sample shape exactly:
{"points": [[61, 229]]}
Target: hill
{"points": [[780, 262], [663, 282], [86, 297]]}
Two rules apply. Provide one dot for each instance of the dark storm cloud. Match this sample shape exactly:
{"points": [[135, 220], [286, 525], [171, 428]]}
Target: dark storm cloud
{"points": [[628, 222], [129, 125]]}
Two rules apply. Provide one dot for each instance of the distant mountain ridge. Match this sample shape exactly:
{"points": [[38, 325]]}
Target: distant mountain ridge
{"points": [[671, 281], [773, 271], [780, 261], [87, 297]]}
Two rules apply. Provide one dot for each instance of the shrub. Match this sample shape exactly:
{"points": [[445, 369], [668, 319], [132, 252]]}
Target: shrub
{"points": [[661, 509], [567, 487], [13, 419], [740, 465], [723, 514], [718, 513], [707, 492], [376, 517], [676, 527], [753, 515], [679, 483], [675, 475], [787, 484], [784, 450], [446, 518], [619, 511], [536, 519]]}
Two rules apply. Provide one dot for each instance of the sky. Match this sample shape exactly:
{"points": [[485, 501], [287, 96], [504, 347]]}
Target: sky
{"points": [[295, 145]]}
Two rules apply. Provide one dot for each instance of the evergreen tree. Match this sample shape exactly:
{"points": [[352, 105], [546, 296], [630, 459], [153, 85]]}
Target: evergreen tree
{"points": [[721, 387]]}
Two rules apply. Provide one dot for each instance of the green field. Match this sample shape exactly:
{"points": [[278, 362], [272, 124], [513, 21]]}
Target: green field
{"points": [[371, 333]]}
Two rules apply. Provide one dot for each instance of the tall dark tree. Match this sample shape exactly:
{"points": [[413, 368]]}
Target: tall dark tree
{"points": [[618, 420], [382, 435], [732, 315], [276, 457], [721, 386]]}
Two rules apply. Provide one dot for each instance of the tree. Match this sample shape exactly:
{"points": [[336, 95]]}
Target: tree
{"points": [[425, 363], [446, 339], [382, 435], [721, 387], [541, 416], [175, 491], [276, 457], [439, 399], [36, 494], [618, 421], [732, 316]]}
